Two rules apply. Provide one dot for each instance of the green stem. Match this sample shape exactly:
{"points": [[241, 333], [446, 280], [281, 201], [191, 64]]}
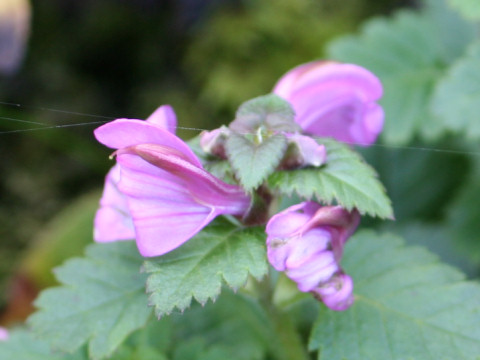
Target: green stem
{"points": [[286, 341]]}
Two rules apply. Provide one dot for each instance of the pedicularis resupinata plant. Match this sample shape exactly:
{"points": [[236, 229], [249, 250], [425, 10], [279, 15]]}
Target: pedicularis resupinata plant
{"points": [[252, 241]]}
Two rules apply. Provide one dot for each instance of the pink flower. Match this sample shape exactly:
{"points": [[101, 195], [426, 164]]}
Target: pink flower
{"points": [[4, 334], [306, 242], [303, 151], [169, 196], [334, 100], [113, 220]]}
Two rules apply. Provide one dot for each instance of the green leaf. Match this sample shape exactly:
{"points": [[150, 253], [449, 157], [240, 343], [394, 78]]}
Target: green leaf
{"points": [[470, 9], [23, 345], [462, 216], [236, 321], [456, 99], [345, 179], [101, 301], [268, 111], [408, 52], [254, 162], [151, 342], [408, 305], [219, 252], [423, 178], [197, 349]]}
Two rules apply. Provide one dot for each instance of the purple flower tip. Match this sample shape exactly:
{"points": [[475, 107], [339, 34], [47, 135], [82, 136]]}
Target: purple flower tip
{"points": [[4, 334], [306, 242], [213, 142], [161, 187], [334, 100], [303, 151]]}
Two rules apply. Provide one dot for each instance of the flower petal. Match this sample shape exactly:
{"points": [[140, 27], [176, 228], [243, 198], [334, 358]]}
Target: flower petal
{"points": [[334, 100], [164, 213], [129, 132], [113, 220], [164, 117]]}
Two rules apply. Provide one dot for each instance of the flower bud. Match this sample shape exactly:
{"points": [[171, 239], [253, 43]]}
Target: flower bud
{"points": [[306, 242], [213, 142], [303, 151], [4, 334], [334, 100]]}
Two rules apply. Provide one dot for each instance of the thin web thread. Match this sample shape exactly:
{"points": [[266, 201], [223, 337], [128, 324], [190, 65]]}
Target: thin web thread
{"points": [[43, 126]]}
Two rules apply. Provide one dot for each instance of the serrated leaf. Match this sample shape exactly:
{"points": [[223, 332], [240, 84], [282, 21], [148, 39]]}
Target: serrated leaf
{"points": [[470, 9], [268, 111], [408, 52], [254, 162], [219, 253], [345, 179], [423, 178], [408, 305], [23, 345], [456, 99], [101, 301]]}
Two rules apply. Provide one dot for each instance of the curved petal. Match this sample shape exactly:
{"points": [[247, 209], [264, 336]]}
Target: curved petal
{"points": [[164, 117], [317, 270], [130, 132], [334, 100], [113, 220], [165, 208], [205, 187], [337, 294], [164, 213]]}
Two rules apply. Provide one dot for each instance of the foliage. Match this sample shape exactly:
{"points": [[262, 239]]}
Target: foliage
{"points": [[409, 302], [408, 305], [468, 8], [413, 50], [345, 179], [101, 301], [220, 253]]}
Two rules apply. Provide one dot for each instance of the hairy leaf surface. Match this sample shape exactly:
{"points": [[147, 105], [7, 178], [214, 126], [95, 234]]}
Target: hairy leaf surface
{"points": [[221, 253], [345, 179]]}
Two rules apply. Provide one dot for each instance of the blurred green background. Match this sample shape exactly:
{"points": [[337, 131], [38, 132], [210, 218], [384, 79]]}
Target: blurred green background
{"points": [[95, 60]]}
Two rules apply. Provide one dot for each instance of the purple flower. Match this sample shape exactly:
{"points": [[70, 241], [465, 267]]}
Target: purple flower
{"points": [[334, 100], [306, 242], [167, 193], [113, 220], [303, 151], [4, 334]]}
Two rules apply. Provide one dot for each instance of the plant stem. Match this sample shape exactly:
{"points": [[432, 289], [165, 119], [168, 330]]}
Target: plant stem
{"points": [[286, 341]]}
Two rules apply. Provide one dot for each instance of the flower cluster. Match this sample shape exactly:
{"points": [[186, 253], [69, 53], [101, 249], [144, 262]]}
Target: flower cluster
{"points": [[306, 242], [159, 186], [160, 194]]}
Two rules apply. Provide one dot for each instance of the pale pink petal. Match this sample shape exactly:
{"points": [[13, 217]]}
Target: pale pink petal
{"points": [[165, 205], [4, 334], [334, 100], [113, 220], [337, 294], [306, 242], [127, 132], [164, 117]]}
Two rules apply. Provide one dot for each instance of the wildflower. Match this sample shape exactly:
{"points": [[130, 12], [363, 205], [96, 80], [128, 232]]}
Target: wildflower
{"points": [[169, 196], [306, 242], [334, 100], [113, 220], [303, 151], [4, 334]]}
